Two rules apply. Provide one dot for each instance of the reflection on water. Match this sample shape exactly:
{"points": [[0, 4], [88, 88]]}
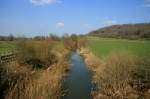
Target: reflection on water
{"points": [[78, 83]]}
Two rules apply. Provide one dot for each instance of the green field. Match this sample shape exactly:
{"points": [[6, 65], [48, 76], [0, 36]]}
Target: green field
{"points": [[104, 46], [6, 46]]}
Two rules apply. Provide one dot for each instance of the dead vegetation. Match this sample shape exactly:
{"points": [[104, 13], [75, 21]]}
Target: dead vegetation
{"points": [[114, 76], [36, 74]]}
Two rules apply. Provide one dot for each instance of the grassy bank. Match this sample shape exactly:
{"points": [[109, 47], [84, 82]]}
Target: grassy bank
{"points": [[117, 66], [37, 72], [116, 76]]}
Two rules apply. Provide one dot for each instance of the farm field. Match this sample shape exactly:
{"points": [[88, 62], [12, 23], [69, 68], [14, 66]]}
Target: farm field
{"points": [[105, 46], [6, 46]]}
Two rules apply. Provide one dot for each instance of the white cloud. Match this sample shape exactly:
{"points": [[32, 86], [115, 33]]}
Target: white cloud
{"points": [[60, 24], [147, 3], [43, 2], [109, 22]]}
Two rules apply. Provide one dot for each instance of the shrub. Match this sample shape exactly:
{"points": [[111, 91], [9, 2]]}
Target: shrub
{"points": [[38, 54], [71, 43]]}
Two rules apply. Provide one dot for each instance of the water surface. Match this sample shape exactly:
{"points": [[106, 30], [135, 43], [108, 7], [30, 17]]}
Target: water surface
{"points": [[78, 82]]}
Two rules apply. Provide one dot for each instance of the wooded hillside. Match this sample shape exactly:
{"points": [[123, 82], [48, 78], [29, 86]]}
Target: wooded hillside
{"points": [[129, 31]]}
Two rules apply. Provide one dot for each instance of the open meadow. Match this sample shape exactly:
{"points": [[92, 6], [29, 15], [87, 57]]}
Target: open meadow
{"points": [[7, 46], [105, 46]]}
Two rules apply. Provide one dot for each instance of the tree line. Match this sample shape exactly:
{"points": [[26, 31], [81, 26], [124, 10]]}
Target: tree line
{"points": [[71, 42]]}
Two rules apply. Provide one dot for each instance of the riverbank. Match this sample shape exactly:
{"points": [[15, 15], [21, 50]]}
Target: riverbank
{"points": [[113, 76], [37, 73]]}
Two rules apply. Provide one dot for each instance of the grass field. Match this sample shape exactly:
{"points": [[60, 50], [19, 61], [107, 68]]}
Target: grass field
{"points": [[104, 46], [6, 46], [118, 57]]}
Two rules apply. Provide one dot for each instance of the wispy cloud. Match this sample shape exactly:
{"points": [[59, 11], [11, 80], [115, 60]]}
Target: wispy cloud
{"points": [[147, 3], [60, 24], [44, 2]]}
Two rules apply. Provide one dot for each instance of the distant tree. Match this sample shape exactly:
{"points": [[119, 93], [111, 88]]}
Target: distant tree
{"points": [[71, 43], [2, 38], [82, 42], [54, 37], [39, 37], [10, 37], [66, 35], [145, 34]]}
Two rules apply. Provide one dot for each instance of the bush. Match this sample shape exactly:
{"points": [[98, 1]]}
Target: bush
{"points": [[38, 54], [71, 43]]}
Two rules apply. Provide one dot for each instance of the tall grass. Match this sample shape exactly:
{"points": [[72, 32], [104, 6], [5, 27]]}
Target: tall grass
{"points": [[41, 84], [114, 76], [21, 80]]}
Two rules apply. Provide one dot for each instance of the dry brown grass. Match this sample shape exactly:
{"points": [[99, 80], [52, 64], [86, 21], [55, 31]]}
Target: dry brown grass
{"points": [[41, 84], [23, 82], [114, 78], [112, 75]]}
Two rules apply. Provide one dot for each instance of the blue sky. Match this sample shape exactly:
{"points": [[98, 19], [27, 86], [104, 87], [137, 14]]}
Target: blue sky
{"points": [[42, 17]]}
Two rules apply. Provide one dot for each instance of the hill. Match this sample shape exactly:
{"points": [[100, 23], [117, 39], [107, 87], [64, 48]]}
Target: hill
{"points": [[129, 31]]}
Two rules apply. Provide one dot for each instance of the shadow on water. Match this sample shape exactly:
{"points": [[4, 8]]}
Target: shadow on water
{"points": [[78, 82]]}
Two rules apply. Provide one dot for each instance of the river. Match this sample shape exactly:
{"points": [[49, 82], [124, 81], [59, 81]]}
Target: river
{"points": [[78, 82]]}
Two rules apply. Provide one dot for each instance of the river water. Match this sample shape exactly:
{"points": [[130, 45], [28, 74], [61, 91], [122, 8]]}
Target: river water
{"points": [[78, 81]]}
